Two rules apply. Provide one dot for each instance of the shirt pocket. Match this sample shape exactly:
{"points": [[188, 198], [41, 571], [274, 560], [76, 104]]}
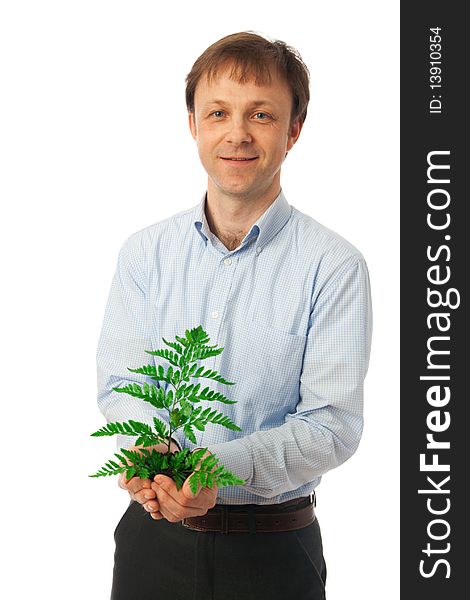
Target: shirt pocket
{"points": [[274, 341], [274, 359]]}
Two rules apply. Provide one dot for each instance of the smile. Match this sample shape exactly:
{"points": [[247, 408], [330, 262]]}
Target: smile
{"points": [[238, 158]]}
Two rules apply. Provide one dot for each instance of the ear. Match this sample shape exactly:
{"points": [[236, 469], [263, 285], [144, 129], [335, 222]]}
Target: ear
{"points": [[192, 124], [293, 134]]}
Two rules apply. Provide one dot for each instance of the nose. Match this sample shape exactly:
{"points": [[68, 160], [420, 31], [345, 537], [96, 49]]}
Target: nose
{"points": [[238, 132]]}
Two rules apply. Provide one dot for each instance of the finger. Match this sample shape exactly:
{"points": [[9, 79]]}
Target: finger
{"points": [[151, 506], [123, 482], [136, 484], [205, 497], [176, 509], [145, 495], [166, 483], [208, 497], [170, 509], [186, 489], [207, 493]]}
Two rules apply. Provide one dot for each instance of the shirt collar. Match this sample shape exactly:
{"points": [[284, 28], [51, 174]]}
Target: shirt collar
{"points": [[265, 228]]}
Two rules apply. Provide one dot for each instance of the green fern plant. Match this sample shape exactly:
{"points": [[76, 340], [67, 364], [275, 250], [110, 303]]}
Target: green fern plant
{"points": [[183, 415]]}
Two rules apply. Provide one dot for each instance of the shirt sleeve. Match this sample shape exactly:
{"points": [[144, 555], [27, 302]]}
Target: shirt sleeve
{"points": [[326, 427], [125, 336]]}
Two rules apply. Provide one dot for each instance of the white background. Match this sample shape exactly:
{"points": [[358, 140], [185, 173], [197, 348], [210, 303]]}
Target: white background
{"points": [[94, 146]]}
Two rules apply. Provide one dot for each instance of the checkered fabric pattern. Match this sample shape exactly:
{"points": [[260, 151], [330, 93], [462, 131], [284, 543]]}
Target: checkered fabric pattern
{"points": [[291, 306]]}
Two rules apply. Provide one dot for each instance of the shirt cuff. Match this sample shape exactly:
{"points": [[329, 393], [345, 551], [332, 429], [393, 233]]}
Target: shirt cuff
{"points": [[235, 457]]}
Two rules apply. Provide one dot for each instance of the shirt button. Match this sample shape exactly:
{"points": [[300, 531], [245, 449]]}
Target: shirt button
{"points": [[258, 249], [227, 261], [215, 314]]}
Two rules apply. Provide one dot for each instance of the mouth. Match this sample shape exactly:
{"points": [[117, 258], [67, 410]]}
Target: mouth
{"points": [[239, 158]]}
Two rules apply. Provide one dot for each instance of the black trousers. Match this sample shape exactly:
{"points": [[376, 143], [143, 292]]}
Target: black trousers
{"points": [[159, 560]]}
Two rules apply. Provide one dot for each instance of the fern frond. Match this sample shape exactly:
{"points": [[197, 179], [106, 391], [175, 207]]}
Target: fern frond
{"points": [[149, 393], [201, 418], [205, 352], [135, 456], [154, 372], [111, 468], [189, 433], [168, 355], [209, 463], [207, 476], [227, 478], [197, 335], [160, 428], [178, 349], [133, 428], [146, 462], [196, 456], [184, 390], [183, 341], [210, 395], [210, 374], [186, 408]]}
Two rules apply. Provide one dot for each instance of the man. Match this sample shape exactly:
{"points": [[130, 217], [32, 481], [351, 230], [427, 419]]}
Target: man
{"points": [[288, 300]]}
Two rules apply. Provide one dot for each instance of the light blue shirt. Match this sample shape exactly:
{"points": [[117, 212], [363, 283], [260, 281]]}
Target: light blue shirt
{"points": [[290, 306]]}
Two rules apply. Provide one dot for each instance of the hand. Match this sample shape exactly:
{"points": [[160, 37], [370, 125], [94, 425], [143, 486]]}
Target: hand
{"points": [[140, 489], [175, 504]]}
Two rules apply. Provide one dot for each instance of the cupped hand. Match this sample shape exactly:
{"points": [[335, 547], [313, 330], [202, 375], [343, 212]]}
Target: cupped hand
{"points": [[140, 490], [175, 504]]}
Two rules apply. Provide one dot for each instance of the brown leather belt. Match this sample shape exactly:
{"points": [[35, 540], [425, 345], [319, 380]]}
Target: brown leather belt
{"points": [[252, 518]]}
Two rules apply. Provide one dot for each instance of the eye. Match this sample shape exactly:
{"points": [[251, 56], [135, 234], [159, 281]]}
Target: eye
{"points": [[262, 116], [218, 114]]}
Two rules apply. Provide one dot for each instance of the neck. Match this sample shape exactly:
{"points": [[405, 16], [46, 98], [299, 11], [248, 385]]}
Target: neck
{"points": [[231, 217]]}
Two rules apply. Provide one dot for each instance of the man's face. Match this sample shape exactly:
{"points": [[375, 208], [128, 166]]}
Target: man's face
{"points": [[243, 132]]}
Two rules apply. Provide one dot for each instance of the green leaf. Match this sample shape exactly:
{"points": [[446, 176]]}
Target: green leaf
{"points": [[160, 428], [155, 373], [212, 375], [143, 472], [175, 419], [169, 399], [193, 482], [209, 462], [188, 431], [199, 425], [183, 356], [186, 408], [131, 471], [205, 352], [168, 355], [153, 396], [132, 428], [197, 335], [173, 345], [196, 456]]}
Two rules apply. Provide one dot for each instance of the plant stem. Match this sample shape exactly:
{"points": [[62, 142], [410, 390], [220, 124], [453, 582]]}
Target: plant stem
{"points": [[170, 411]]}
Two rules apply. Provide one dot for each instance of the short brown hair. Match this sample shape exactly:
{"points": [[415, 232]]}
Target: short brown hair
{"points": [[252, 56]]}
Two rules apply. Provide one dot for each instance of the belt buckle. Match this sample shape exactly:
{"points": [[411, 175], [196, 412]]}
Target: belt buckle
{"points": [[313, 498]]}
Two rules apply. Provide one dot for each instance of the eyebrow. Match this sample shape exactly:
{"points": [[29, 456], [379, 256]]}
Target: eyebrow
{"points": [[254, 104]]}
